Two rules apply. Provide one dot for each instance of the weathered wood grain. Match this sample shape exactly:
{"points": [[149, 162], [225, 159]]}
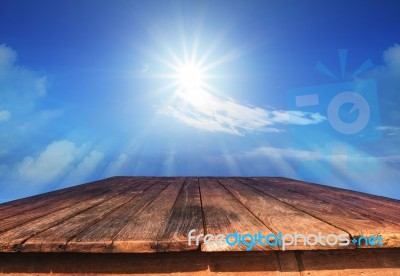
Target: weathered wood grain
{"points": [[367, 262], [167, 263], [99, 236], [394, 203], [142, 214], [349, 220], [140, 232], [44, 196], [384, 262], [382, 210], [280, 216], [288, 263], [12, 239], [224, 214], [55, 238], [13, 217], [186, 215]]}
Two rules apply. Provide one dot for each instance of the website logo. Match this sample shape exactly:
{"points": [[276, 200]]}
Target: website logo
{"points": [[352, 118], [281, 240]]}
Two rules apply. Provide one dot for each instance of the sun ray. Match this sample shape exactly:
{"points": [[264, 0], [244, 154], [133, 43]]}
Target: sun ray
{"points": [[191, 65], [216, 42]]}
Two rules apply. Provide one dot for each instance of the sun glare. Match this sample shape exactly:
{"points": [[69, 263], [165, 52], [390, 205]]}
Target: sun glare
{"points": [[190, 76], [191, 72]]}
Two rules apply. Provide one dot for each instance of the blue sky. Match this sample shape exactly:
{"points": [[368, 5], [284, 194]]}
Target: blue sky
{"points": [[92, 89]]}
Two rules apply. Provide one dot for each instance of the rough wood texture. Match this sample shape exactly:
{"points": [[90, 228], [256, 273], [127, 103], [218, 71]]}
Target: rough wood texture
{"points": [[350, 262], [142, 214], [276, 215], [325, 203], [370, 262]]}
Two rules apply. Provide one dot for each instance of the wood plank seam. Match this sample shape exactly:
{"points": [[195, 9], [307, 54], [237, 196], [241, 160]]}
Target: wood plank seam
{"points": [[344, 191], [391, 238], [114, 210], [90, 193], [288, 263], [246, 208], [300, 210], [277, 261], [299, 261], [351, 207], [372, 215], [15, 202], [159, 234], [19, 246], [259, 201], [142, 233], [43, 215], [111, 246], [277, 212], [139, 182], [202, 209], [52, 196], [185, 215]]}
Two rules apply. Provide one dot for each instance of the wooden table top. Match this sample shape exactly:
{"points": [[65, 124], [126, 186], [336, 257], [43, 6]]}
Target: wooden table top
{"points": [[145, 214]]}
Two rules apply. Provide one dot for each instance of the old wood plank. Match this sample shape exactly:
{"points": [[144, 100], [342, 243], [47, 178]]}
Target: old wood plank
{"points": [[55, 238], [317, 262], [182, 263], [12, 239], [379, 262], [64, 202], [381, 209], [244, 263], [64, 264], [224, 214], [13, 217], [350, 221], [280, 216], [186, 215], [99, 236], [341, 191], [140, 233], [288, 263], [24, 205]]}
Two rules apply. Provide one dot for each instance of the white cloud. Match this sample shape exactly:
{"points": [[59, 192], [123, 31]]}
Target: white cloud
{"points": [[344, 167], [388, 80], [116, 166], [19, 86], [5, 115], [391, 130], [7, 57], [41, 86], [51, 163], [21, 92], [392, 58], [83, 170], [282, 152], [295, 117], [200, 109], [60, 163], [29, 164]]}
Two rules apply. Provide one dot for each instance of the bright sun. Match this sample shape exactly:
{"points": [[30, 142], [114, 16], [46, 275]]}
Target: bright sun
{"points": [[190, 76]]}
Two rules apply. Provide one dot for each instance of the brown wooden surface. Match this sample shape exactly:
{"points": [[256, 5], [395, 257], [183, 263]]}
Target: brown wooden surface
{"points": [[143, 214], [367, 262], [325, 204]]}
